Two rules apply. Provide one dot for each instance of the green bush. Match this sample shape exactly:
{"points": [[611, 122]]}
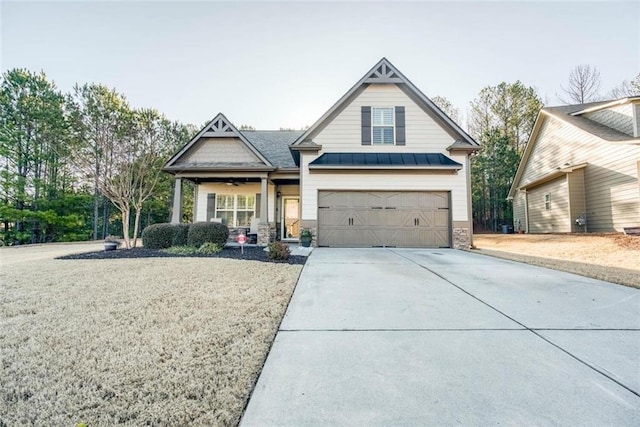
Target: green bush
{"points": [[209, 248], [180, 233], [181, 250], [158, 236], [278, 250], [205, 232]]}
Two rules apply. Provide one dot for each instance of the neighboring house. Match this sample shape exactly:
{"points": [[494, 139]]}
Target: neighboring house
{"points": [[579, 172], [383, 167]]}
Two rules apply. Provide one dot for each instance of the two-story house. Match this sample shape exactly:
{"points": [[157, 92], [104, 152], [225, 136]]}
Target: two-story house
{"points": [[579, 172], [383, 167]]}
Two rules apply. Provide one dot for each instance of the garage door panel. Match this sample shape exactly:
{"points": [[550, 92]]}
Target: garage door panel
{"points": [[383, 218]]}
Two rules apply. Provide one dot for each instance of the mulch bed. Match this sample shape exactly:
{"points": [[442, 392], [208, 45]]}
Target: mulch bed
{"points": [[250, 253]]}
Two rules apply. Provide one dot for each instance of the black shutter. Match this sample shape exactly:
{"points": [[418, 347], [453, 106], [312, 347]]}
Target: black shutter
{"points": [[211, 206], [400, 134], [366, 125]]}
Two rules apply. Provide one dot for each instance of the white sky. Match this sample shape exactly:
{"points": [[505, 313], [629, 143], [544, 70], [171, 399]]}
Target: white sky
{"points": [[276, 64]]}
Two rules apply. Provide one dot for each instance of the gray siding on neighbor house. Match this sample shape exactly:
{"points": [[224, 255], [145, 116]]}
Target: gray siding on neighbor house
{"points": [[519, 213], [610, 177], [554, 219], [619, 117]]}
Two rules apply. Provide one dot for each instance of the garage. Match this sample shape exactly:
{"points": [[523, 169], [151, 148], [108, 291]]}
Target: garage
{"points": [[384, 219]]}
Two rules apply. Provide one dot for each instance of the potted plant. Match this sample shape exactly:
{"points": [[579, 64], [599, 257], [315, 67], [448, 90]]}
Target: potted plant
{"points": [[111, 243], [306, 236]]}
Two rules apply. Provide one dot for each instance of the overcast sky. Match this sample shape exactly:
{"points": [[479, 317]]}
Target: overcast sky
{"points": [[277, 64]]}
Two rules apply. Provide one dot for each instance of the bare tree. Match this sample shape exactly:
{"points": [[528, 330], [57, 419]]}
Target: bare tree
{"points": [[447, 107], [584, 85], [626, 88]]}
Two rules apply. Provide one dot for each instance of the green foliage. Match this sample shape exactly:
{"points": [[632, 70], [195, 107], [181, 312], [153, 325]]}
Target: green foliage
{"points": [[306, 233], [210, 248], [181, 250], [180, 234], [204, 232], [278, 251], [158, 236]]}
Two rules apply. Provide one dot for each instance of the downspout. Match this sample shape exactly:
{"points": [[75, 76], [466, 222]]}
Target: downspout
{"points": [[526, 211], [469, 199]]}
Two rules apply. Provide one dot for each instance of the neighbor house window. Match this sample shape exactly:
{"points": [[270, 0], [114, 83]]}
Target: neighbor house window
{"points": [[236, 210], [382, 125], [547, 201]]}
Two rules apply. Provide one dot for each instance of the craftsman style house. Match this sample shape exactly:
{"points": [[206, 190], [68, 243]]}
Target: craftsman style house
{"points": [[579, 172], [383, 167]]}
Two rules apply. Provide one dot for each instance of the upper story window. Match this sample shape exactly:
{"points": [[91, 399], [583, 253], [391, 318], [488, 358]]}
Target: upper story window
{"points": [[547, 201], [383, 126]]}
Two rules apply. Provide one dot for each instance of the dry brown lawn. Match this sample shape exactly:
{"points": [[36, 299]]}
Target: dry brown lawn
{"points": [[167, 341], [611, 257]]}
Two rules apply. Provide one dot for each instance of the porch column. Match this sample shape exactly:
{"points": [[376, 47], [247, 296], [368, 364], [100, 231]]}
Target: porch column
{"points": [[263, 226], [176, 212]]}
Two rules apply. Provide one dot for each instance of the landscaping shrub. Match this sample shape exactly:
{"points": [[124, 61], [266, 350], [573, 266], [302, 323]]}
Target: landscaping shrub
{"points": [[180, 233], [210, 248], [181, 250], [158, 236], [205, 232], [279, 251]]}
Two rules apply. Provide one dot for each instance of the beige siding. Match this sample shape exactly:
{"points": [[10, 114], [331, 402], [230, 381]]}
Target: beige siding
{"points": [[577, 199], [519, 213], [423, 134], [619, 118], [363, 180], [249, 188], [219, 150], [556, 218], [611, 176]]}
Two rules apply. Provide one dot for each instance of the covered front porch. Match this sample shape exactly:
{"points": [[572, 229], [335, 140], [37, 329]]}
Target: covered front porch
{"points": [[265, 206]]}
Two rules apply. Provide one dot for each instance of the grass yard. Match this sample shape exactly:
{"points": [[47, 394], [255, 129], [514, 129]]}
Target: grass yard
{"points": [[612, 257], [154, 341]]}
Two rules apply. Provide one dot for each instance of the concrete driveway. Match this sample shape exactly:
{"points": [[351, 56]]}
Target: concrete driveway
{"points": [[444, 337]]}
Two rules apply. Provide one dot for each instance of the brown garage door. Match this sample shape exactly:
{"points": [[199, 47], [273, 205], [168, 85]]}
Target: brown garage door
{"points": [[383, 218]]}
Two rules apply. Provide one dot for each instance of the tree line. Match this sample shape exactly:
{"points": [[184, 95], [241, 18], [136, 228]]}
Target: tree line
{"points": [[80, 165], [85, 164]]}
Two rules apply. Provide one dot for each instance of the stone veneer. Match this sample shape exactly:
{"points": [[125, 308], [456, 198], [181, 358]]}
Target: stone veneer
{"points": [[264, 234], [461, 238]]}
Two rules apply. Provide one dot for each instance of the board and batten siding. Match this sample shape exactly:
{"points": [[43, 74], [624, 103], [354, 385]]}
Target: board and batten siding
{"points": [[344, 132], [383, 180], [250, 188], [554, 219], [610, 178], [220, 150]]}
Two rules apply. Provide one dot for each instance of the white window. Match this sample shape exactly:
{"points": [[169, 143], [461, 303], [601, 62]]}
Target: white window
{"points": [[383, 125], [236, 210], [547, 201]]}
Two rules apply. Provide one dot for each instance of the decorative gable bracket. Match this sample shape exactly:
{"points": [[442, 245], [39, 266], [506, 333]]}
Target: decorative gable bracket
{"points": [[220, 127], [384, 73]]}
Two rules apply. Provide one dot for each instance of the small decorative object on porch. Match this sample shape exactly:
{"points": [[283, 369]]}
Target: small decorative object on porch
{"points": [[242, 239], [111, 243], [306, 236]]}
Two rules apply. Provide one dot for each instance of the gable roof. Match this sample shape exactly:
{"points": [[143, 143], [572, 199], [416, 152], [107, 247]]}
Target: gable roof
{"points": [[572, 116], [219, 127], [386, 73], [274, 145]]}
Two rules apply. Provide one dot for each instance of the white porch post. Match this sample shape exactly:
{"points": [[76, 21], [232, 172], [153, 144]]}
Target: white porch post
{"points": [[176, 213], [263, 227]]}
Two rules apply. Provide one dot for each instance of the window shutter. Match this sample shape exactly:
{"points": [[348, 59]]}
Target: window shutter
{"points": [[258, 196], [400, 134], [211, 206], [366, 125]]}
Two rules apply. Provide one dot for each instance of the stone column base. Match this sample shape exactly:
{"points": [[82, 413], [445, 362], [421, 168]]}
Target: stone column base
{"points": [[264, 234], [461, 238]]}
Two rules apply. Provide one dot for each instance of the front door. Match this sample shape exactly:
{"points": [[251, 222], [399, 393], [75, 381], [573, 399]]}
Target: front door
{"points": [[290, 218]]}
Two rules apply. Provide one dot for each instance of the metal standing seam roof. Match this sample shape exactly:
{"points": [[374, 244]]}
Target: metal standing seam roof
{"points": [[274, 145], [363, 160]]}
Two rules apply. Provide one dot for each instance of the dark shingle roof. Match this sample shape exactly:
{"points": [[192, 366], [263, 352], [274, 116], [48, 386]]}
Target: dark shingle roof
{"points": [[274, 145], [420, 160], [565, 112]]}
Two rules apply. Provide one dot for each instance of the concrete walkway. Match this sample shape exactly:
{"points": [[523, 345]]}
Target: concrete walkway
{"points": [[444, 337]]}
